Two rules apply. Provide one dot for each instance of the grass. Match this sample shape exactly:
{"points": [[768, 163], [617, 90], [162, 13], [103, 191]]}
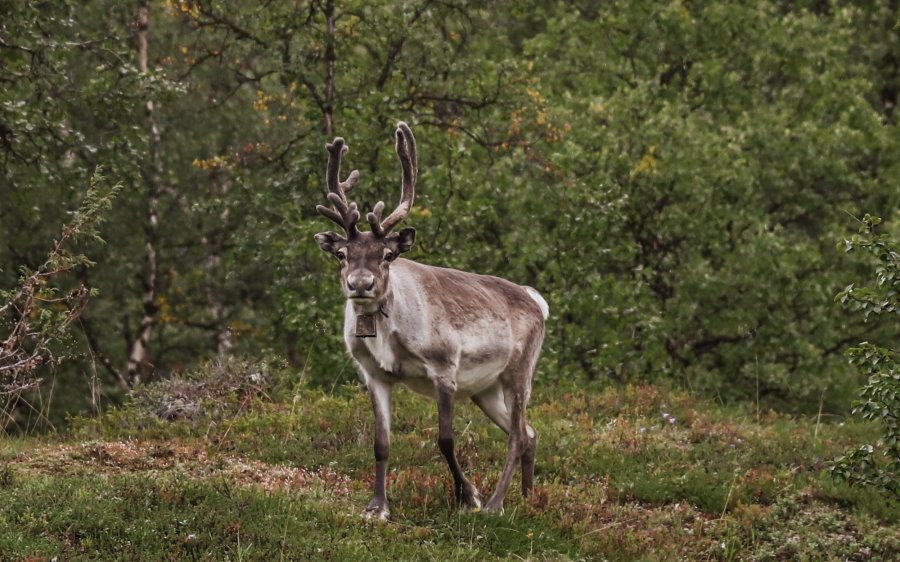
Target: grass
{"points": [[636, 473]]}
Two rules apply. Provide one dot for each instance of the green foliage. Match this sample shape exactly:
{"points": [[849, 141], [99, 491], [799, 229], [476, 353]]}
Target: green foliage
{"points": [[716, 134], [875, 464], [668, 175]]}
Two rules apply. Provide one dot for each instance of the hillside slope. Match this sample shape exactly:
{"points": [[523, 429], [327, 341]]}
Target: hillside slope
{"points": [[638, 473]]}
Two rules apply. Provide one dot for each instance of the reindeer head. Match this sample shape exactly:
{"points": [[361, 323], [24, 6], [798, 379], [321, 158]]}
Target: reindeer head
{"points": [[366, 257]]}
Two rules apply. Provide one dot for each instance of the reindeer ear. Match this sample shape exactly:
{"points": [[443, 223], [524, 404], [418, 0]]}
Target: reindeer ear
{"points": [[405, 239], [329, 241]]}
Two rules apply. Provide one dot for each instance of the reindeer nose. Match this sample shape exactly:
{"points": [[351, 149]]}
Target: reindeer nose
{"points": [[361, 281]]}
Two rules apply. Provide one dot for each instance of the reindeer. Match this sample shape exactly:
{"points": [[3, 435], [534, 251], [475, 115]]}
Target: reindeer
{"points": [[444, 333]]}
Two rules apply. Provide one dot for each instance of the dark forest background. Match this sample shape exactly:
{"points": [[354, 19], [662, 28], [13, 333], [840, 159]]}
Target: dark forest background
{"points": [[676, 178]]}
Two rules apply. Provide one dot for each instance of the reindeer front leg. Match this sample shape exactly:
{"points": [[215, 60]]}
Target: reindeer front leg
{"points": [[380, 393], [466, 494]]}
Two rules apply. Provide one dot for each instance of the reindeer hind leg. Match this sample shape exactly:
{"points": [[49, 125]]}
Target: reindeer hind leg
{"points": [[504, 407], [492, 402], [528, 459], [531, 437]]}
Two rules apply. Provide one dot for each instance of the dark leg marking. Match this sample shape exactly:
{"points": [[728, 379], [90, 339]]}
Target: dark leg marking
{"points": [[465, 493]]}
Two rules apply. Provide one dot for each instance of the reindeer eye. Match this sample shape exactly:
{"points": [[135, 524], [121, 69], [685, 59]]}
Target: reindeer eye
{"points": [[341, 255], [388, 255]]}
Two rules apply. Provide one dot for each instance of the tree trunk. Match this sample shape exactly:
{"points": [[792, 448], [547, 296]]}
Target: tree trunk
{"points": [[329, 69], [214, 243], [139, 366]]}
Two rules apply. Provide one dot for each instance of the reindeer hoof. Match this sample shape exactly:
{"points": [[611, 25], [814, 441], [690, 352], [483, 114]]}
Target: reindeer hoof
{"points": [[377, 511], [470, 501], [495, 508], [377, 514]]}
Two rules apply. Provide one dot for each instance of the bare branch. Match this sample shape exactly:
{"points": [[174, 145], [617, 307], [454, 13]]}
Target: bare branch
{"points": [[104, 359], [218, 20]]}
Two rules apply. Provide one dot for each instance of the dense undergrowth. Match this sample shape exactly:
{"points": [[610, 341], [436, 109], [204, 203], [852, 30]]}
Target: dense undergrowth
{"points": [[248, 466]]}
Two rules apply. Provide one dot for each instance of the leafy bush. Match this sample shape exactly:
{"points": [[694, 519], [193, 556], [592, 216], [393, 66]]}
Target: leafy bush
{"points": [[879, 399], [35, 315]]}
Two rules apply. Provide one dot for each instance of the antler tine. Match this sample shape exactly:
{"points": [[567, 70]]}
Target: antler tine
{"points": [[406, 149], [350, 182], [344, 213], [374, 218]]}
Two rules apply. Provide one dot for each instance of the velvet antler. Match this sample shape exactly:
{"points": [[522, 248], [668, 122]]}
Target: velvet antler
{"points": [[406, 149], [344, 213]]}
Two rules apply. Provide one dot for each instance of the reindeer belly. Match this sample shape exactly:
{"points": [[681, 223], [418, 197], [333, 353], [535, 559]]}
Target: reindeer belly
{"points": [[478, 365], [474, 376], [468, 382]]}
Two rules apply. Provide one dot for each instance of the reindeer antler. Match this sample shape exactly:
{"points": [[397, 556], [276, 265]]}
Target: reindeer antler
{"points": [[406, 149], [345, 213]]}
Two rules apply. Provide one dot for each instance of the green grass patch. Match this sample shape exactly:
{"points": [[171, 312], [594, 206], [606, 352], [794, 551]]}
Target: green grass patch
{"points": [[133, 518], [638, 473]]}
